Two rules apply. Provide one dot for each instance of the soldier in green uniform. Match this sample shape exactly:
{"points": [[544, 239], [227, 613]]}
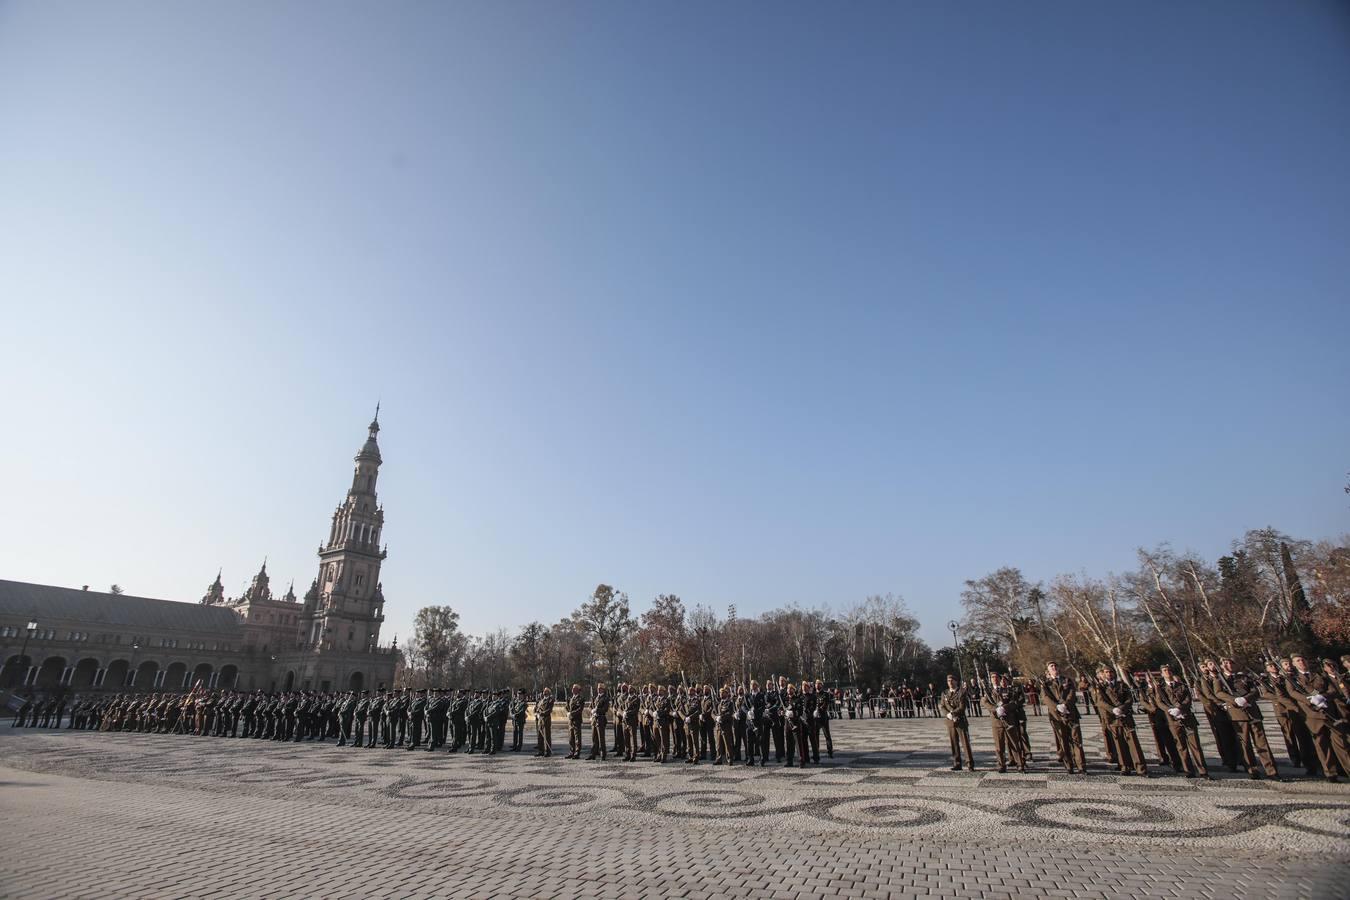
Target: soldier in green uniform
{"points": [[630, 714], [543, 723], [599, 722], [953, 706], [417, 717], [576, 706], [519, 709]]}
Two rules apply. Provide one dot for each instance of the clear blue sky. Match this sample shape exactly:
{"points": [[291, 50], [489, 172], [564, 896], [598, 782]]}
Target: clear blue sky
{"points": [[754, 303]]}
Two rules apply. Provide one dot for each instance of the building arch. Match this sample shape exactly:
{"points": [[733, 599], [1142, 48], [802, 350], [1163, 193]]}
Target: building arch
{"points": [[50, 673], [86, 670], [355, 681], [290, 680], [201, 673], [175, 676], [115, 676], [229, 677], [144, 676]]}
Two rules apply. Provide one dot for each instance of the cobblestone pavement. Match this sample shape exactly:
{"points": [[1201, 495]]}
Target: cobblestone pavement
{"points": [[118, 815]]}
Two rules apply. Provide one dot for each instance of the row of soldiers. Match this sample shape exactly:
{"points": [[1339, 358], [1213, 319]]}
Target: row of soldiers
{"points": [[695, 723], [1312, 708], [388, 718]]}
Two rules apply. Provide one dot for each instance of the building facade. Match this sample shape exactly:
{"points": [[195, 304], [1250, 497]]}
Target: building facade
{"points": [[56, 638]]}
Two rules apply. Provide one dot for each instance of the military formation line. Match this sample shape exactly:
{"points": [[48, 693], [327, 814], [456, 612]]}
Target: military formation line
{"points": [[745, 724]]}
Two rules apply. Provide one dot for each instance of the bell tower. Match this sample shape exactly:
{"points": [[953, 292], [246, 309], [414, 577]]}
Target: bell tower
{"points": [[345, 608]]}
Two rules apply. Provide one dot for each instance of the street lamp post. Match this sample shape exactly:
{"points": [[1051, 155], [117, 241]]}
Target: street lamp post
{"points": [[957, 644], [23, 652]]}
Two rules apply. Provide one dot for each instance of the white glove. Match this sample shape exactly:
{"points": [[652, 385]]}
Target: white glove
{"points": [[1318, 700], [1175, 712], [1240, 701], [1063, 710], [1115, 710], [998, 710], [952, 717]]}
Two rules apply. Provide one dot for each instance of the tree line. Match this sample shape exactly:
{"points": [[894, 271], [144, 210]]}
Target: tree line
{"points": [[873, 642], [1269, 594]]}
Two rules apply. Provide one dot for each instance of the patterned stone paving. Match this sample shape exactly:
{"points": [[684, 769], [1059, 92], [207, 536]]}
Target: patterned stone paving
{"points": [[116, 815]]}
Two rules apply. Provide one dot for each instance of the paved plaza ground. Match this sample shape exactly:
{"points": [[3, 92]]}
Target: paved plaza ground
{"points": [[120, 815]]}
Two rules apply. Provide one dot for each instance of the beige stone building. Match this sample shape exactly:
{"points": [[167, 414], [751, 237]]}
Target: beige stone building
{"points": [[54, 638]]}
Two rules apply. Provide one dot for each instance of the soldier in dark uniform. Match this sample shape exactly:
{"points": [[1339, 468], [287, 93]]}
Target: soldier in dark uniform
{"points": [[794, 726], [543, 723], [740, 729], [1117, 703], [519, 710], [707, 720], [810, 729], [576, 706], [1240, 693], [489, 714], [953, 706], [648, 721], [375, 717], [500, 715], [359, 717], [1062, 697], [777, 696], [438, 714], [824, 707], [346, 715], [599, 722], [757, 725], [417, 717], [473, 718], [459, 723]]}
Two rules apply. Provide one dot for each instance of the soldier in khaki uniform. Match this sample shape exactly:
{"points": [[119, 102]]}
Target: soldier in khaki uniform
{"points": [[1319, 698], [1005, 703], [599, 722], [1117, 704], [1241, 694], [1288, 715], [724, 736], [576, 705], [953, 707], [631, 712], [1061, 694], [1173, 696], [662, 716], [543, 723]]}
